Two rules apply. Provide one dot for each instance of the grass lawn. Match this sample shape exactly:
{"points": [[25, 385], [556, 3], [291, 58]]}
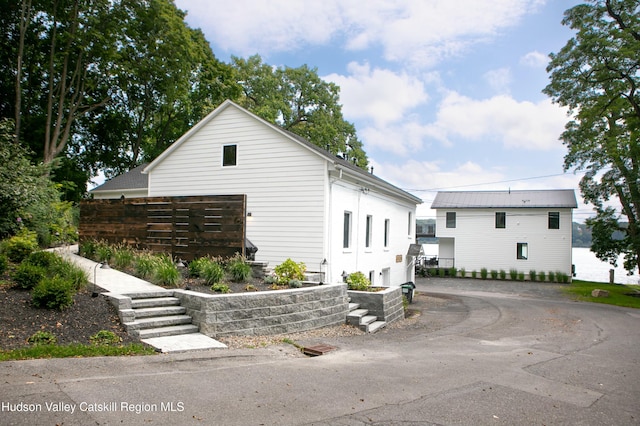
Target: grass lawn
{"points": [[619, 295], [75, 350]]}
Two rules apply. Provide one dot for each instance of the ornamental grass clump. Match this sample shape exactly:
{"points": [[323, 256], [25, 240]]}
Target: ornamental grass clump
{"points": [[166, 272], [239, 268], [212, 272]]}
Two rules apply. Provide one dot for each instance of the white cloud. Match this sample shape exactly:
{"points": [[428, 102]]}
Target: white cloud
{"points": [[499, 79], [377, 94], [535, 59], [525, 125], [417, 32]]}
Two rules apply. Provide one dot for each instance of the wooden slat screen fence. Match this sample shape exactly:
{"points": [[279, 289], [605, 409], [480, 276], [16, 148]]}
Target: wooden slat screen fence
{"points": [[186, 227]]}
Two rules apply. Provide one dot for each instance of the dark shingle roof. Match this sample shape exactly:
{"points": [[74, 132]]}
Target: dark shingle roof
{"points": [[554, 198], [133, 179]]}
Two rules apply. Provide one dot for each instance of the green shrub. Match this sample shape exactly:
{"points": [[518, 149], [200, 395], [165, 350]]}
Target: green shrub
{"points": [[4, 263], [221, 288], [463, 272], [520, 276], [270, 279], [533, 275], [42, 338], [542, 276], [27, 276], [53, 293], [295, 283], [494, 274], [239, 269], [19, 247], [441, 272], [513, 274], [105, 337], [483, 273], [453, 272], [289, 270], [552, 276], [474, 274], [88, 249], [503, 274], [71, 272], [212, 272], [46, 259], [358, 281], [166, 272]]}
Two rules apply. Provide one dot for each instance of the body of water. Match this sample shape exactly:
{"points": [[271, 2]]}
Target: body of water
{"points": [[588, 266]]}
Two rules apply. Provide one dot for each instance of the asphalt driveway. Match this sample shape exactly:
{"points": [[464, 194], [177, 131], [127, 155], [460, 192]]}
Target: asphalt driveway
{"points": [[476, 352]]}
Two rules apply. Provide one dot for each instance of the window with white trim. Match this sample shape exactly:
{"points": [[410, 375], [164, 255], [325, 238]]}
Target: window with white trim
{"points": [[369, 231], [346, 230], [387, 223], [522, 251], [229, 155]]}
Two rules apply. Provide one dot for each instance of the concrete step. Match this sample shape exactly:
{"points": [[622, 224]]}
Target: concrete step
{"points": [[366, 320], [154, 302], [154, 322], [353, 306], [174, 330], [375, 326], [150, 294], [160, 311], [353, 318]]}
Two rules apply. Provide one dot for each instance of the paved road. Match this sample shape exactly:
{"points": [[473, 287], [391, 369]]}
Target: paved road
{"points": [[479, 353]]}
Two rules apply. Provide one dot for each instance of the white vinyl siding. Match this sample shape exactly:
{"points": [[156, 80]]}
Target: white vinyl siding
{"points": [[283, 180], [475, 243]]}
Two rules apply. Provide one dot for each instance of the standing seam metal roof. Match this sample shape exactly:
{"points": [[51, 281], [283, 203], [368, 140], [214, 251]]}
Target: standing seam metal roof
{"points": [[556, 198]]}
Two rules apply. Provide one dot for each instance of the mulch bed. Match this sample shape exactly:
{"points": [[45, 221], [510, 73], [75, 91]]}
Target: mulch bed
{"points": [[19, 319]]}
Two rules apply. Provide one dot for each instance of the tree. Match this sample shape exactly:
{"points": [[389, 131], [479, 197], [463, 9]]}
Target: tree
{"points": [[22, 185], [301, 102], [166, 78], [597, 76], [64, 77]]}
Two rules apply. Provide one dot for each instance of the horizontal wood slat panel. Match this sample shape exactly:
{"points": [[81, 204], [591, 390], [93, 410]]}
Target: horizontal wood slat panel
{"points": [[187, 227]]}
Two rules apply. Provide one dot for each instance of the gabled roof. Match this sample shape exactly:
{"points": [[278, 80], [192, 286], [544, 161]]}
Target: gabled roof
{"points": [[338, 162], [133, 179], [555, 198]]}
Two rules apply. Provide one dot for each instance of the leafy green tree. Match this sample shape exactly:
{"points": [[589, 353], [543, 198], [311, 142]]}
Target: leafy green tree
{"points": [[597, 76], [166, 78], [22, 185], [301, 102]]}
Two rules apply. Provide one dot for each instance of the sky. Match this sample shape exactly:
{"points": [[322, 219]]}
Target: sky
{"points": [[444, 95]]}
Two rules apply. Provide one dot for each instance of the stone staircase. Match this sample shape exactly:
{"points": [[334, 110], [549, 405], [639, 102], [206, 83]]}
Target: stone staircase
{"points": [[361, 319], [157, 314]]}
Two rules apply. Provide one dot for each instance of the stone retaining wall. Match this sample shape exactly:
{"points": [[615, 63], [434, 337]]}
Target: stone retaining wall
{"points": [[385, 304], [266, 312]]}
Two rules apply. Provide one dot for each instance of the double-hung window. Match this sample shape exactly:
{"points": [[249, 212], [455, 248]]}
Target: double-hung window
{"points": [[369, 231], [501, 220], [229, 155], [386, 232], [451, 219], [554, 220], [522, 251], [346, 231]]}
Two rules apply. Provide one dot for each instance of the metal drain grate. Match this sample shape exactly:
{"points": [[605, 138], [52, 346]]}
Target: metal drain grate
{"points": [[317, 350]]}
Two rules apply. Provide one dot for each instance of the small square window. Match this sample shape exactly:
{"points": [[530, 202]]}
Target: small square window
{"points": [[501, 220], [522, 251], [451, 219], [229, 155], [554, 220]]}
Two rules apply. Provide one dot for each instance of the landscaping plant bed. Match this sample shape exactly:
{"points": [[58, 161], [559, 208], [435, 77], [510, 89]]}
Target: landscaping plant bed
{"points": [[19, 320]]}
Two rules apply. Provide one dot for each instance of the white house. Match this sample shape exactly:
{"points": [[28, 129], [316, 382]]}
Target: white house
{"points": [[505, 230], [303, 202]]}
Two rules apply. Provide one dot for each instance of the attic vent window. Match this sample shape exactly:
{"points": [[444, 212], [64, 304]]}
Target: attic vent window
{"points": [[229, 155]]}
